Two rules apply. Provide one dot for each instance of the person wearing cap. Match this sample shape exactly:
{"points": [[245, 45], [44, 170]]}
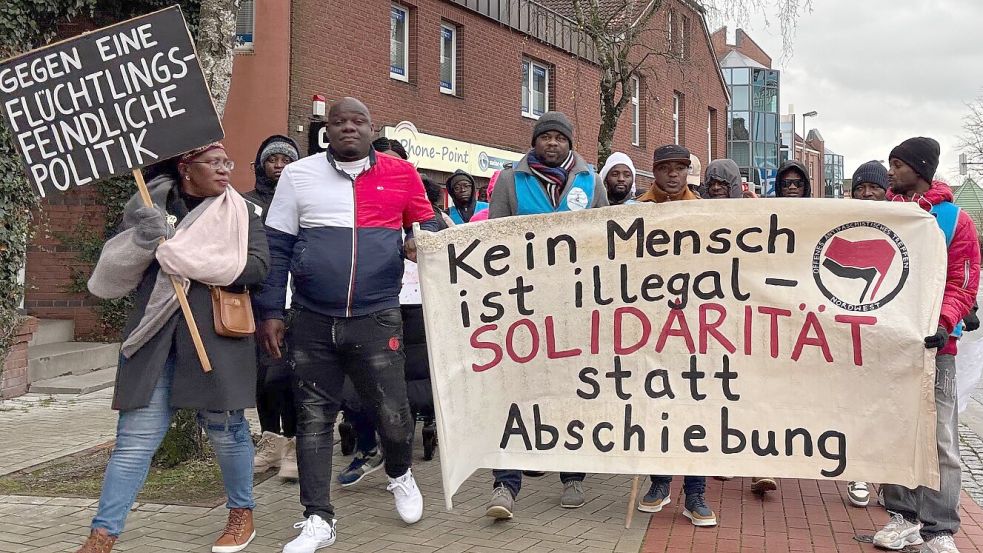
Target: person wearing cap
{"points": [[464, 197], [792, 180], [670, 165], [277, 447], [618, 175], [722, 179], [218, 241], [550, 178], [869, 182], [924, 515]]}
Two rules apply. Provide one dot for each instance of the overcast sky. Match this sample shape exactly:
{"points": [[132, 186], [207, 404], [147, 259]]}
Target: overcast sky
{"points": [[880, 71]]}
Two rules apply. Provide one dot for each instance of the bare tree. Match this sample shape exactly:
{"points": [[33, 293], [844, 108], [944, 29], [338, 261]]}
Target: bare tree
{"points": [[623, 39], [216, 46], [971, 141]]}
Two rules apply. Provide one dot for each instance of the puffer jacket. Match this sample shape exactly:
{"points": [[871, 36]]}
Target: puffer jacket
{"points": [[963, 270]]}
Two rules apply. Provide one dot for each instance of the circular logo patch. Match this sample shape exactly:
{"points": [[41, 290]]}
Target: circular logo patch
{"points": [[394, 343], [577, 200], [483, 162], [860, 266]]}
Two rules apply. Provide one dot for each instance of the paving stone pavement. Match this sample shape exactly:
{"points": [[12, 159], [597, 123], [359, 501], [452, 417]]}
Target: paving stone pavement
{"points": [[802, 516]]}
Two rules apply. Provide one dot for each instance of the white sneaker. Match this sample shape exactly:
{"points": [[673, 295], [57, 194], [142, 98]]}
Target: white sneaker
{"points": [[269, 452], [409, 500], [858, 493], [315, 534], [942, 543], [898, 534]]}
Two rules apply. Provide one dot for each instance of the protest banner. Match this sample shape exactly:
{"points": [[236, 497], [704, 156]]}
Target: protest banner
{"points": [[734, 337], [107, 103]]}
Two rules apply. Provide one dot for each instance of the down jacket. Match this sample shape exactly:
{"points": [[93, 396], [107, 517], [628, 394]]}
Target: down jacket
{"points": [[963, 271]]}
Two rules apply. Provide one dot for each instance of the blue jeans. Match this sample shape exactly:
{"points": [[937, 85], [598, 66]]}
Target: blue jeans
{"points": [[138, 435], [512, 479], [691, 484]]}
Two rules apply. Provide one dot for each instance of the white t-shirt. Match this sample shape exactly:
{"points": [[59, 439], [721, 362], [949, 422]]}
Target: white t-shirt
{"points": [[353, 168]]}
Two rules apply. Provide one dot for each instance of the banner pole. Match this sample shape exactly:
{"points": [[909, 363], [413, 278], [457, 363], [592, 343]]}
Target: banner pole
{"points": [[632, 498], [182, 298]]}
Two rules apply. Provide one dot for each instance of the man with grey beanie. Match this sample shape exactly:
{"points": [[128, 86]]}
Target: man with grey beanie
{"points": [[551, 178]]}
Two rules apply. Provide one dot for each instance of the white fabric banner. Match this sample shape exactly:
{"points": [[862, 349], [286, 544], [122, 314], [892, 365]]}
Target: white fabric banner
{"points": [[777, 337]]}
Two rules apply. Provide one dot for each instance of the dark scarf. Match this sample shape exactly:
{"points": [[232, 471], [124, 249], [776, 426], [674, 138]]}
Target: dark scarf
{"points": [[265, 187], [554, 179]]}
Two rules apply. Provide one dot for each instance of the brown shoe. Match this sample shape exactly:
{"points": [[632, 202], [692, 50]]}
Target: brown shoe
{"points": [[99, 542], [239, 531], [763, 485]]}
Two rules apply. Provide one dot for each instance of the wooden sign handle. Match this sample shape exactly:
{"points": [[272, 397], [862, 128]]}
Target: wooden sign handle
{"points": [[182, 298], [632, 498]]}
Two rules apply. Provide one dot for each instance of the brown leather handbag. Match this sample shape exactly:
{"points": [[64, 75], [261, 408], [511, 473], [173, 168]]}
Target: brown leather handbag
{"points": [[233, 313]]}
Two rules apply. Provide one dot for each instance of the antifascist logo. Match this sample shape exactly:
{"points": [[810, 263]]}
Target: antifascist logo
{"points": [[860, 266]]}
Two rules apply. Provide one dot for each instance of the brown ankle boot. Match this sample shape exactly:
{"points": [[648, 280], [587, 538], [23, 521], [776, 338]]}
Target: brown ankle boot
{"points": [[239, 531], [99, 542]]}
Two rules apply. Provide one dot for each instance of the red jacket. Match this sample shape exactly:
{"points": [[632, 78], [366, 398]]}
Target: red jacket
{"points": [[963, 272]]}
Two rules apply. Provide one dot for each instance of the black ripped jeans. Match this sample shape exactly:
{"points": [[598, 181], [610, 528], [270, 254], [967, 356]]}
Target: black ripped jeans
{"points": [[369, 350]]}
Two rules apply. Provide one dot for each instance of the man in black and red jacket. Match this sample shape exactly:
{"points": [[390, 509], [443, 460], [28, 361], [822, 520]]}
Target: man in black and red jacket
{"points": [[336, 225]]}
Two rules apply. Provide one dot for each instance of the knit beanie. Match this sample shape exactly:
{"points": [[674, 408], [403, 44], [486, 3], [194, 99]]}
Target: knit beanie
{"points": [[281, 147], [872, 172], [919, 153], [553, 121]]}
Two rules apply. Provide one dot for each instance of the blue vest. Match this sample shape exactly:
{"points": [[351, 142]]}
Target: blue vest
{"points": [[947, 216], [532, 199], [456, 214]]}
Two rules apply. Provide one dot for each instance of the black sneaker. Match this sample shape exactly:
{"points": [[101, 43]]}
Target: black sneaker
{"points": [[656, 499]]}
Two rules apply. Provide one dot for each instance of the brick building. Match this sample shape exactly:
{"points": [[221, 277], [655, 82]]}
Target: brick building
{"points": [[468, 76]]}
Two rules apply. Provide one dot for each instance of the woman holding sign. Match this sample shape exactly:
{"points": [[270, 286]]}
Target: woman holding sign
{"points": [[201, 231]]}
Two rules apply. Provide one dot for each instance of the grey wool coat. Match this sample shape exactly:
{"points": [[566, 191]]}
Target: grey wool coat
{"points": [[123, 267]]}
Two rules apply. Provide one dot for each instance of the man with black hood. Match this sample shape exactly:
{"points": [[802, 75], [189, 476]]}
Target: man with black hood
{"points": [[793, 181], [464, 197], [277, 448]]}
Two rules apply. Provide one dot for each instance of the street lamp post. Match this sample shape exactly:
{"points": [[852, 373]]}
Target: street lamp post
{"points": [[804, 115]]}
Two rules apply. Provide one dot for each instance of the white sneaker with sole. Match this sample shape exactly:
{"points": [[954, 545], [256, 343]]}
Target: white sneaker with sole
{"points": [[898, 534], [315, 533], [409, 500], [943, 543], [858, 493]]}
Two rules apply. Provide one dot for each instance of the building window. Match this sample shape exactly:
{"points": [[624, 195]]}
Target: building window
{"points": [[535, 89], [245, 24], [684, 38], [636, 119], [670, 28], [399, 43], [711, 132], [677, 108], [448, 59]]}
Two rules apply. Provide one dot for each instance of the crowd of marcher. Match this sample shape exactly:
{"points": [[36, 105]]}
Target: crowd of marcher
{"points": [[324, 245]]}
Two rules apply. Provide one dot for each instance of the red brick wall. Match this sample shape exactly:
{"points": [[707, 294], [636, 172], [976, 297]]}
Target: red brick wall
{"points": [[50, 262], [743, 44], [332, 57], [13, 380]]}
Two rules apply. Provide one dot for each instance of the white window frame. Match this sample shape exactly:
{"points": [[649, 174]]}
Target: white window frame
{"points": [[670, 27], [677, 101], [447, 27], [247, 10], [636, 123], [405, 77], [530, 67]]}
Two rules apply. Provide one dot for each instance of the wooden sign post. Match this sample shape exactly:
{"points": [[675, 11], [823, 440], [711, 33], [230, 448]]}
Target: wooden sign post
{"points": [[107, 103]]}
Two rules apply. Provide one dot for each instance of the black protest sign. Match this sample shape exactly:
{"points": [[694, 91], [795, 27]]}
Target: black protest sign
{"points": [[108, 102]]}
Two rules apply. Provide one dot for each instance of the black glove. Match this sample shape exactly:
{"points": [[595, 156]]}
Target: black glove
{"points": [[937, 340], [971, 322], [151, 225]]}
